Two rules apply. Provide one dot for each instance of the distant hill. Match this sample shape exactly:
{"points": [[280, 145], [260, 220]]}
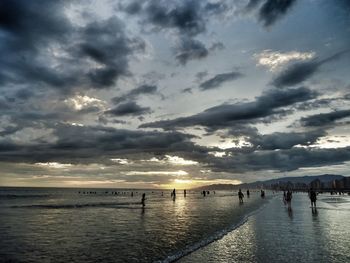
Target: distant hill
{"points": [[324, 178]]}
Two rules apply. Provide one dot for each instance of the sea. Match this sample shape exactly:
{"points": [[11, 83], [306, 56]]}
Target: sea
{"points": [[111, 225]]}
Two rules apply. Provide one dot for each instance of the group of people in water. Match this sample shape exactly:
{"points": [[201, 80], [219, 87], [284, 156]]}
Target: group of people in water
{"points": [[287, 196]]}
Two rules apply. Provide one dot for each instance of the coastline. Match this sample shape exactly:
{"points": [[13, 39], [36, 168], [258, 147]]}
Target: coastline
{"points": [[275, 235]]}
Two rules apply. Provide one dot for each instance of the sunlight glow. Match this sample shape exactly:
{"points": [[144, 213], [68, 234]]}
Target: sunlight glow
{"points": [[175, 160], [275, 59], [54, 165], [173, 173]]}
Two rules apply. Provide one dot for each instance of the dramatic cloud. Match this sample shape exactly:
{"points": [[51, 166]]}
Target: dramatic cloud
{"points": [[301, 71], [219, 79], [45, 49], [282, 160], [133, 94], [108, 45], [228, 114], [279, 140], [130, 108], [95, 143], [324, 119], [78, 81]]}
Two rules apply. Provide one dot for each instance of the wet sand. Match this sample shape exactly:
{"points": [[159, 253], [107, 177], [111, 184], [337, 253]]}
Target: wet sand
{"points": [[276, 235]]}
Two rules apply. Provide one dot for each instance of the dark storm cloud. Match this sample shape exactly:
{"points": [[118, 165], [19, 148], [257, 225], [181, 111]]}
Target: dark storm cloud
{"points": [[185, 16], [280, 140], [272, 10], [301, 71], [133, 94], [24, 47], [107, 43], [219, 79], [90, 144], [269, 11], [269, 103], [324, 119], [45, 50], [282, 160], [130, 108], [190, 49]]}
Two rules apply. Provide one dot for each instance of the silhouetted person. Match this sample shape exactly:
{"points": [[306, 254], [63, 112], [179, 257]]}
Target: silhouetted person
{"points": [[240, 196], [262, 194], [173, 194], [284, 197], [185, 193], [289, 200], [204, 193], [162, 193], [132, 194], [248, 193], [313, 197], [143, 199]]}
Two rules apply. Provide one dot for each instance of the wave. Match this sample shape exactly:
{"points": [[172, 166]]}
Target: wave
{"points": [[73, 206], [14, 196], [216, 236]]}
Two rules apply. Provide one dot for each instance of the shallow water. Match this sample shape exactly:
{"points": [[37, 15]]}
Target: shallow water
{"points": [[276, 235], [61, 225]]}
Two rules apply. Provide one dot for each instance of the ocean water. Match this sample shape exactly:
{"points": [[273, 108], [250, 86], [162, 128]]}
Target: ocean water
{"points": [[63, 225], [276, 235]]}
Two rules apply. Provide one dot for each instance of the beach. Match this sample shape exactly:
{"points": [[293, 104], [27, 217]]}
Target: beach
{"points": [[105, 225], [275, 235]]}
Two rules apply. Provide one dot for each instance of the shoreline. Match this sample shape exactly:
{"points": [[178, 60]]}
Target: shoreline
{"points": [[275, 235], [176, 257]]}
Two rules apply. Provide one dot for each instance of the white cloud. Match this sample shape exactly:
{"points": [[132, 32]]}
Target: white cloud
{"points": [[174, 160], [79, 102], [120, 161], [274, 60], [54, 165]]}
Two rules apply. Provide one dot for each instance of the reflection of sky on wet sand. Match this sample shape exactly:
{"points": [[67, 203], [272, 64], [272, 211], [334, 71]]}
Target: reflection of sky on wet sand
{"points": [[272, 236]]}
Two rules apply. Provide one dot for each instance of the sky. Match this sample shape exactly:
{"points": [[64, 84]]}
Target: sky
{"points": [[181, 93]]}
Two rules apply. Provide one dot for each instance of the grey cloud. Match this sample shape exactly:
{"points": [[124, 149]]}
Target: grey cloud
{"points": [[269, 11], [91, 144], [107, 43], [190, 49], [133, 94], [299, 72], [184, 16], [128, 109], [280, 140], [272, 10], [219, 79], [282, 160], [269, 103], [324, 119], [45, 50]]}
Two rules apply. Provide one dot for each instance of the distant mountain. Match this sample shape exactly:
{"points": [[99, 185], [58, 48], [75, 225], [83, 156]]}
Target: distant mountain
{"points": [[324, 178]]}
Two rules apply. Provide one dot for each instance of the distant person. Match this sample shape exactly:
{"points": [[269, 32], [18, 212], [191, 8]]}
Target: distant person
{"points": [[313, 197], [262, 194], [284, 197], [132, 194], [143, 199], [173, 194], [289, 199], [185, 193], [248, 193], [204, 192], [240, 196]]}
